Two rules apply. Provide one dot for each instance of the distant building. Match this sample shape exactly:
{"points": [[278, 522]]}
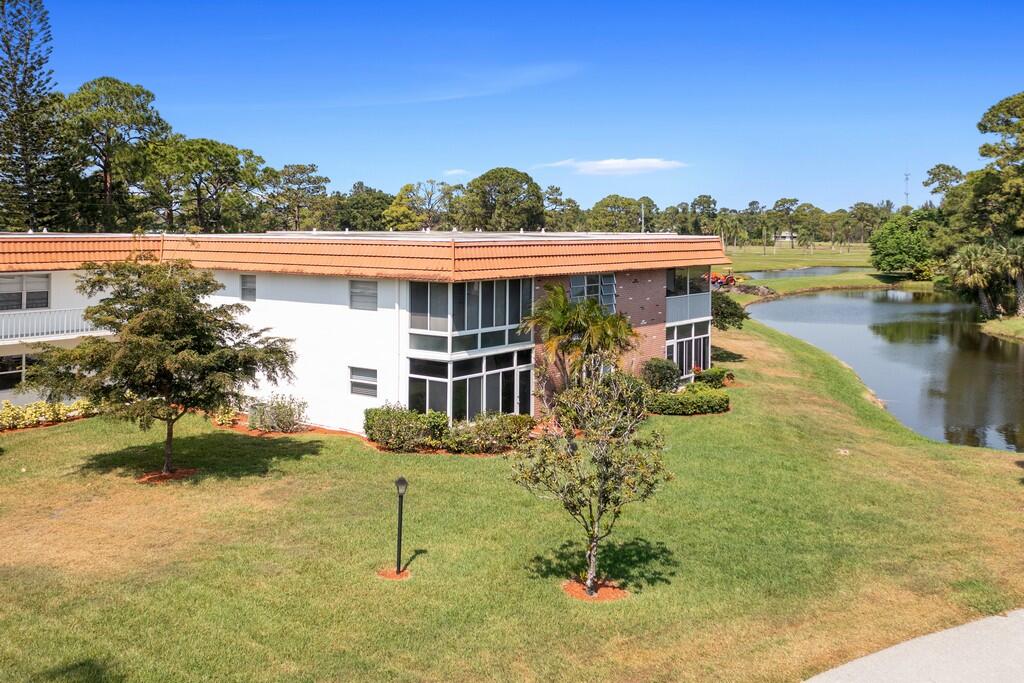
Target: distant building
{"points": [[428, 320]]}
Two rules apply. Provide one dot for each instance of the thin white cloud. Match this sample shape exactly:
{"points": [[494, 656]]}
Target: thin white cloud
{"points": [[616, 166], [456, 171]]}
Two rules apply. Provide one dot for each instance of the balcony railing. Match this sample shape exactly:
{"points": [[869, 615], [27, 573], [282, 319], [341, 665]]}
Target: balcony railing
{"points": [[43, 322], [688, 307]]}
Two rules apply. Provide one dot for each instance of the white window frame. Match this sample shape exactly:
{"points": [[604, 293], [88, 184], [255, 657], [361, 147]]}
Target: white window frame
{"points": [[363, 296], [361, 378], [673, 346], [22, 279]]}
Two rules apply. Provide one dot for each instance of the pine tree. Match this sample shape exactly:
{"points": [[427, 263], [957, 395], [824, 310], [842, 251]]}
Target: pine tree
{"points": [[29, 190]]}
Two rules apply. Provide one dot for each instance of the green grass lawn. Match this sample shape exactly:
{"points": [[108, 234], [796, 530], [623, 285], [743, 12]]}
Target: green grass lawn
{"points": [[1007, 328], [784, 257], [804, 528]]}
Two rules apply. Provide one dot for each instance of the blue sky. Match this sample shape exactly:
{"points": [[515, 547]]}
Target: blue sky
{"points": [[827, 102]]}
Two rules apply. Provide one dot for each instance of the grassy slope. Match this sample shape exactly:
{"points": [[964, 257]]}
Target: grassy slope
{"points": [[1007, 328], [771, 555], [751, 258]]}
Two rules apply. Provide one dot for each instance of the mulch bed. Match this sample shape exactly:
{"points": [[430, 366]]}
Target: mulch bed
{"points": [[392, 575], [241, 426], [607, 591], [161, 477]]}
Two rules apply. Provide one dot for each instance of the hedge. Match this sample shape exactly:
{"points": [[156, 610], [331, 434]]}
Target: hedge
{"points": [[715, 376], [697, 399], [395, 428], [40, 413]]}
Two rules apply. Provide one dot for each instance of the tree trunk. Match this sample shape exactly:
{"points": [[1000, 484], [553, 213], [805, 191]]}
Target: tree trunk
{"points": [[987, 309], [1019, 286], [168, 447], [592, 565]]}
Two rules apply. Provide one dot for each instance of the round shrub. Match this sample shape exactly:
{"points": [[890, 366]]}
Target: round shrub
{"points": [[279, 413], [715, 376], [660, 374]]}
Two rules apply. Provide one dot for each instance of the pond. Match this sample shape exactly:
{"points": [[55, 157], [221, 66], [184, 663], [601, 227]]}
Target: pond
{"points": [[814, 271], [923, 354]]}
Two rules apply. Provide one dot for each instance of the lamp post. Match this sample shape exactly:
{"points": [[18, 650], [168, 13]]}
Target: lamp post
{"points": [[401, 485]]}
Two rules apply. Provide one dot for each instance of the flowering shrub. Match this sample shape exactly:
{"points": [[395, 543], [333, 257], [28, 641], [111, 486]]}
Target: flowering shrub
{"points": [[279, 413], [225, 416], [41, 413]]}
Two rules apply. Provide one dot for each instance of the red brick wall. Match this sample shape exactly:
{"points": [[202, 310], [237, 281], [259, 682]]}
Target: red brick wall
{"points": [[640, 296]]}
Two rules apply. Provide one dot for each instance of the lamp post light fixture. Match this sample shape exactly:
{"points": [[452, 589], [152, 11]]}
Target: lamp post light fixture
{"points": [[401, 485]]}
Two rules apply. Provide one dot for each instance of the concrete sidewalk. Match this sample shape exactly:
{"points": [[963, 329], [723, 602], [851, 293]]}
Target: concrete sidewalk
{"points": [[990, 650]]}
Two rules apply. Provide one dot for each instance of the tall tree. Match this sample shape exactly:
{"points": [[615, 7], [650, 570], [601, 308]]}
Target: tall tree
{"points": [[111, 119], [502, 199], [219, 177], [405, 212], [171, 351], [561, 214], [782, 217], [296, 189], [361, 208], [165, 178], [614, 213], [704, 209], [972, 269], [29, 141]]}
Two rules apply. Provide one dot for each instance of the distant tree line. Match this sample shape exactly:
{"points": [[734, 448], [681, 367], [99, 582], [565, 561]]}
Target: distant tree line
{"points": [[975, 236], [103, 158]]}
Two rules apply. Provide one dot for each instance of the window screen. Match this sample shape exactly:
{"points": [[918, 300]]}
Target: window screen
{"points": [[248, 287], [362, 295], [363, 381]]}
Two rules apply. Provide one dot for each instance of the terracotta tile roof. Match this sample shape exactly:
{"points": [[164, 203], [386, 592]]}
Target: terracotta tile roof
{"points": [[420, 257]]}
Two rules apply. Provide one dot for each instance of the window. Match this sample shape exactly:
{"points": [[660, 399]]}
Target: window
{"points": [[12, 370], [683, 281], [248, 287], [689, 346], [362, 295], [24, 291], [497, 383], [363, 381], [599, 288], [481, 312], [428, 306]]}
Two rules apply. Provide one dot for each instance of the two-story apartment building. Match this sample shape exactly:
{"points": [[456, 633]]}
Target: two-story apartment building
{"points": [[429, 320]]}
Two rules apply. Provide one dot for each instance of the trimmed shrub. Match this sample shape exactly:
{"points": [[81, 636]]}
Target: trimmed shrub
{"points": [[715, 377], [396, 428], [697, 399], [10, 415], [489, 433], [660, 374], [279, 413], [83, 407], [40, 412]]}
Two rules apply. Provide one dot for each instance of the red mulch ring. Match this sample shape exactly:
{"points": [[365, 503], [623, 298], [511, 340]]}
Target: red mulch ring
{"points": [[161, 477], [606, 591], [392, 575]]}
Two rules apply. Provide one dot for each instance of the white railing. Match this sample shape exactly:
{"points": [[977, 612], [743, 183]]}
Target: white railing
{"points": [[687, 307], [43, 322]]}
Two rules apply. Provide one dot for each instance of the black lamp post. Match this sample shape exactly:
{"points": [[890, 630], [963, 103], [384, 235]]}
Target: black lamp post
{"points": [[401, 484]]}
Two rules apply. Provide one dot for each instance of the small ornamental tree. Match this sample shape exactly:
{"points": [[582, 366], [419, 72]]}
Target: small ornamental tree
{"points": [[172, 351], [593, 460]]}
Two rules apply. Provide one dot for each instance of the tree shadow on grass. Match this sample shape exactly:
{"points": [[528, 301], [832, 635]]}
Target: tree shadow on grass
{"points": [[220, 455], [82, 671], [635, 564], [720, 355]]}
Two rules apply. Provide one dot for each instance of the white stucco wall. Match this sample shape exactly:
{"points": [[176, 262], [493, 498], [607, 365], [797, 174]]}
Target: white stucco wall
{"points": [[328, 338]]}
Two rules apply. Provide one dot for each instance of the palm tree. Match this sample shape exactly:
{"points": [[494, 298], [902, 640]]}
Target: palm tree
{"points": [[574, 334], [972, 268], [1013, 262]]}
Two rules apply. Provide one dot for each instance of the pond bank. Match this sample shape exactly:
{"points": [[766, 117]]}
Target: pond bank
{"points": [[1010, 329]]}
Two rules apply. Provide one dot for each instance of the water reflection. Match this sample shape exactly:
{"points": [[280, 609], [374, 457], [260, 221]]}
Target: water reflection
{"points": [[802, 272], [923, 354]]}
